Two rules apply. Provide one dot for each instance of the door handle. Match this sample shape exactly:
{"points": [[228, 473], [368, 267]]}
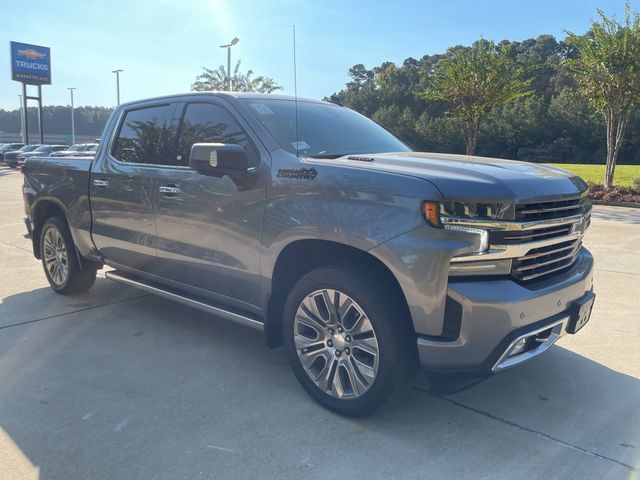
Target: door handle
{"points": [[169, 189], [100, 183]]}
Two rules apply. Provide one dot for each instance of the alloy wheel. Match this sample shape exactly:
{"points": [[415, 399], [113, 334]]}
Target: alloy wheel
{"points": [[336, 343], [55, 256]]}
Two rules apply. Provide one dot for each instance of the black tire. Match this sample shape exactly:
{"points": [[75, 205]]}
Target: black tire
{"points": [[77, 279], [389, 318]]}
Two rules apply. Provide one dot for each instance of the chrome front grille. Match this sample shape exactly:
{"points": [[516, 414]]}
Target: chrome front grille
{"points": [[544, 239], [543, 261], [557, 256], [501, 237], [552, 209]]}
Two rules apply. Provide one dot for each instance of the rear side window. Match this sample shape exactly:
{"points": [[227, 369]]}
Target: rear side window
{"points": [[208, 123], [146, 135]]}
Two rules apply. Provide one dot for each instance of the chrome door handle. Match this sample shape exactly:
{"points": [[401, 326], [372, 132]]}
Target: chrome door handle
{"points": [[100, 183], [169, 189]]}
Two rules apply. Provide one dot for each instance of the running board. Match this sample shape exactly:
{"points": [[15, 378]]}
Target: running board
{"points": [[200, 304]]}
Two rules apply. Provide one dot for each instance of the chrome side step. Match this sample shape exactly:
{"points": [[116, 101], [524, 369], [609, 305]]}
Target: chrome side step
{"points": [[200, 304]]}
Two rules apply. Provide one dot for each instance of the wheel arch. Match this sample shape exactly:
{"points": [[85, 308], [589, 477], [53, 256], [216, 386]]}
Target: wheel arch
{"points": [[302, 256], [40, 212]]}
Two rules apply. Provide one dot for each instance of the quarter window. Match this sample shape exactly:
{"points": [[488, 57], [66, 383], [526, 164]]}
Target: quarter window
{"points": [[146, 136], [208, 123]]}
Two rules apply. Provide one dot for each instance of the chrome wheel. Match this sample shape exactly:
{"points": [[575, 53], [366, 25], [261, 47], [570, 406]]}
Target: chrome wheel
{"points": [[336, 343], [55, 256]]}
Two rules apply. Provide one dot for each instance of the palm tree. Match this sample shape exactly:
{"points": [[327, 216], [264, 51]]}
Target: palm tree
{"points": [[217, 79]]}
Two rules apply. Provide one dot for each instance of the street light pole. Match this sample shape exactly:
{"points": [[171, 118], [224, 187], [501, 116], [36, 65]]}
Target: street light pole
{"points": [[117, 72], [73, 120], [228, 47], [22, 120], [229, 68]]}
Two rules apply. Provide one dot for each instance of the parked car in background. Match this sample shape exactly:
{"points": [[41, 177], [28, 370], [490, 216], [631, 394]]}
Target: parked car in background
{"points": [[8, 147], [41, 151], [77, 148], [89, 152], [11, 157]]}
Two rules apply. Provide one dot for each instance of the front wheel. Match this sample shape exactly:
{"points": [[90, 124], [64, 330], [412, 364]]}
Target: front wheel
{"points": [[59, 260], [348, 339]]}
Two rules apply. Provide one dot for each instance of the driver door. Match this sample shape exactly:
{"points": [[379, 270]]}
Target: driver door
{"points": [[209, 227]]}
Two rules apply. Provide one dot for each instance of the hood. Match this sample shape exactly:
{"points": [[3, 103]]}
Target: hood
{"points": [[461, 177]]}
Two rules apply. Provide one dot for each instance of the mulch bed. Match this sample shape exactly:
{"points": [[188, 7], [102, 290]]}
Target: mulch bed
{"points": [[613, 194]]}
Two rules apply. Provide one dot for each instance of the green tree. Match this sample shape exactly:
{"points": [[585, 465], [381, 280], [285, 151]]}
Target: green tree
{"points": [[608, 74], [217, 79], [474, 81]]}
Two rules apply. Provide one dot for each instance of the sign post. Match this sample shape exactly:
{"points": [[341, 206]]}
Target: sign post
{"points": [[31, 65]]}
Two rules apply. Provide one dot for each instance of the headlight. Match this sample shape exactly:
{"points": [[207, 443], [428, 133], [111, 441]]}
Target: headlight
{"points": [[433, 216], [469, 262], [482, 234], [472, 210]]}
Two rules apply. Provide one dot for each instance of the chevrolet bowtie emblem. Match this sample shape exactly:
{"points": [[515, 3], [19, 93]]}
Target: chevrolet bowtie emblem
{"points": [[31, 54]]}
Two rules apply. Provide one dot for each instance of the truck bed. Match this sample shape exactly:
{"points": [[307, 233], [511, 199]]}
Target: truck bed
{"points": [[61, 182]]}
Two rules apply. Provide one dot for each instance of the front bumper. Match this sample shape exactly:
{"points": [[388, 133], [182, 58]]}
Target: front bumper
{"points": [[494, 313]]}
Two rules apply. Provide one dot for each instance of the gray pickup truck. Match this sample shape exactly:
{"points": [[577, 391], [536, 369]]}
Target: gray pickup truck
{"points": [[315, 225]]}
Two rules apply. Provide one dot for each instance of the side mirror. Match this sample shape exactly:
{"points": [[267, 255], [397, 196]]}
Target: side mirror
{"points": [[218, 158]]}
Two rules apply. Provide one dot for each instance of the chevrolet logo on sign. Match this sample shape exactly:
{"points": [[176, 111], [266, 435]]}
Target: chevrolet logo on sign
{"points": [[31, 54]]}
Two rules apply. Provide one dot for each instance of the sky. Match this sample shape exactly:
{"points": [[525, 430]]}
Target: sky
{"points": [[162, 44]]}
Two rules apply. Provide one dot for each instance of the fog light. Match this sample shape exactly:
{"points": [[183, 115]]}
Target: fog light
{"points": [[518, 347]]}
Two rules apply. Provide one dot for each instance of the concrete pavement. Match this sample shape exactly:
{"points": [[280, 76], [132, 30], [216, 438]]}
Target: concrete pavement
{"points": [[119, 384]]}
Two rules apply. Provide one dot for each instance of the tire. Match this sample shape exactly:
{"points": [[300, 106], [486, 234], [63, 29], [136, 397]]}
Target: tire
{"points": [[60, 261], [348, 371]]}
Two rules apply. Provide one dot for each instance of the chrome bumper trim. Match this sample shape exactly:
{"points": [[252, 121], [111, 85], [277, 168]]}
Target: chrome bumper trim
{"points": [[557, 330]]}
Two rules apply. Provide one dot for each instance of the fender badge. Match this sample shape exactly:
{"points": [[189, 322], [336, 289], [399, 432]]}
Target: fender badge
{"points": [[303, 173]]}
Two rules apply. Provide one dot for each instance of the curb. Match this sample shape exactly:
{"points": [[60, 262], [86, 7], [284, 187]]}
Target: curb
{"points": [[615, 204]]}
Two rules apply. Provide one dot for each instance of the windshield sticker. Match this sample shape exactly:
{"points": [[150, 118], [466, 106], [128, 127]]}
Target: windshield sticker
{"points": [[261, 108], [301, 145]]}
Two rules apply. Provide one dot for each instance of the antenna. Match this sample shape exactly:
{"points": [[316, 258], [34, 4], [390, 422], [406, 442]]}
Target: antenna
{"points": [[295, 91]]}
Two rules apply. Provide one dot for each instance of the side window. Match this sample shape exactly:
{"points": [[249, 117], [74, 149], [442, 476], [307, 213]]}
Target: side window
{"points": [[207, 123], [146, 136]]}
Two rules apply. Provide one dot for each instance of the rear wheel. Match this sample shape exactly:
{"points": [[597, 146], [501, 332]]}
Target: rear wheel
{"points": [[346, 339], [60, 262]]}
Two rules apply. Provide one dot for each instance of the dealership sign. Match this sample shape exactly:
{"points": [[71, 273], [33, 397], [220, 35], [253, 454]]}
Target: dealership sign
{"points": [[30, 64]]}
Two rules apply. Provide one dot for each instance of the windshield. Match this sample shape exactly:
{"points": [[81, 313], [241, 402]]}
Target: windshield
{"points": [[324, 129], [27, 148], [76, 148], [44, 148]]}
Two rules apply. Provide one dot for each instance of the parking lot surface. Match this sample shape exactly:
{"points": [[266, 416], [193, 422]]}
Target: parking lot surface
{"points": [[116, 384]]}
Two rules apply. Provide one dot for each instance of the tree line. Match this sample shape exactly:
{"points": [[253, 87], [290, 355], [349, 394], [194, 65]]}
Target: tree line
{"points": [[541, 99], [56, 119]]}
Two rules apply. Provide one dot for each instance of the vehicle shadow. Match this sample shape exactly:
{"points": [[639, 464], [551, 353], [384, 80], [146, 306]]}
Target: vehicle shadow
{"points": [[150, 388]]}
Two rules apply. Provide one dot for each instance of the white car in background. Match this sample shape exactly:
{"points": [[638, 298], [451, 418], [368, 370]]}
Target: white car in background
{"points": [[79, 148]]}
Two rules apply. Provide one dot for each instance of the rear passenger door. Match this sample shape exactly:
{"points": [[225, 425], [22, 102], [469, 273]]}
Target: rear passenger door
{"points": [[122, 181], [209, 227]]}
